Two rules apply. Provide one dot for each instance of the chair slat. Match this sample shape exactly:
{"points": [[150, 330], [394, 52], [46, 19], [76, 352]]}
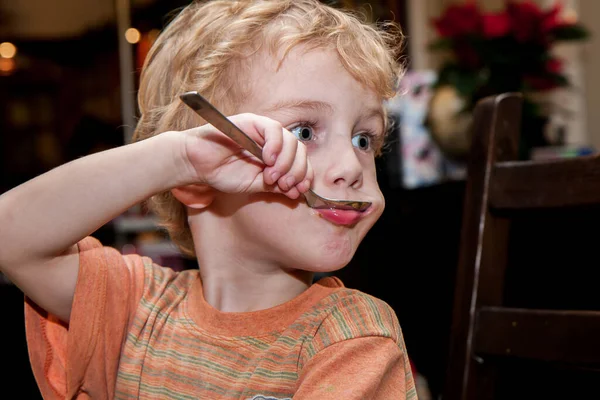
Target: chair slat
{"points": [[545, 335], [549, 184]]}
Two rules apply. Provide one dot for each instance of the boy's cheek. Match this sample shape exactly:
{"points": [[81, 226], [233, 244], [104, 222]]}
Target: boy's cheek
{"points": [[380, 206]]}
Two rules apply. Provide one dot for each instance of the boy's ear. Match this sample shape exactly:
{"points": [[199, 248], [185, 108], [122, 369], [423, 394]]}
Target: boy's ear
{"points": [[194, 196]]}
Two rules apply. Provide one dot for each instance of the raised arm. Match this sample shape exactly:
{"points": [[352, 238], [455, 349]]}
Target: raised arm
{"points": [[44, 218]]}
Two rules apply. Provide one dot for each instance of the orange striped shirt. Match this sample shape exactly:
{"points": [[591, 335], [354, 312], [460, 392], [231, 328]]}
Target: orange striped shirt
{"points": [[141, 331]]}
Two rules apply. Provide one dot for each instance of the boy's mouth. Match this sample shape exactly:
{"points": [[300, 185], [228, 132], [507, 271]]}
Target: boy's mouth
{"points": [[341, 217]]}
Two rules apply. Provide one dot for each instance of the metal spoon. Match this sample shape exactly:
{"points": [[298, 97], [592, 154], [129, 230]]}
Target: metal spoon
{"points": [[214, 117]]}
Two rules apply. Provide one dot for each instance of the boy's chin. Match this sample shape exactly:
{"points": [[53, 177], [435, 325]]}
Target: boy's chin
{"points": [[327, 263]]}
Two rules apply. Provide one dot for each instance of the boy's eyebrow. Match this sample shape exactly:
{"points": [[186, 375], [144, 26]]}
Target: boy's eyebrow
{"points": [[302, 104], [375, 113], [320, 106]]}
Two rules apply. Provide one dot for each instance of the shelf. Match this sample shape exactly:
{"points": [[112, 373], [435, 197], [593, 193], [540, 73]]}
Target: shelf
{"points": [[125, 224], [162, 249]]}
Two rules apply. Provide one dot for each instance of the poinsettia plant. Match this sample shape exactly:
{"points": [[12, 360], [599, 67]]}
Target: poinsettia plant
{"points": [[506, 51]]}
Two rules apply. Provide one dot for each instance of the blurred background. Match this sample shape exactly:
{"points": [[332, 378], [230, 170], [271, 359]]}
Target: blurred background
{"points": [[68, 78]]}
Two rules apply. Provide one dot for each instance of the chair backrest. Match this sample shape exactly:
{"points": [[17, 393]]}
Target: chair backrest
{"points": [[491, 331]]}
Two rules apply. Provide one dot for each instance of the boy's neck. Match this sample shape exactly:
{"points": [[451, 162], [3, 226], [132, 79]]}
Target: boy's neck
{"points": [[251, 292], [238, 275]]}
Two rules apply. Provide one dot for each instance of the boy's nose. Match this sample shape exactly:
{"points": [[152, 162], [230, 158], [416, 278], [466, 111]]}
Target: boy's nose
{"points": [[343, 167]]}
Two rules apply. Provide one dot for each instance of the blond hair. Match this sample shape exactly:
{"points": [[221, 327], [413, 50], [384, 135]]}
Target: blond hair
{"points": [[203, 47]]}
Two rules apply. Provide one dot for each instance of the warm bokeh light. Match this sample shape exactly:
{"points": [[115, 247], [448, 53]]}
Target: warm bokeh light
{"points": [[7, 66], [132, 35], [7, 50]]}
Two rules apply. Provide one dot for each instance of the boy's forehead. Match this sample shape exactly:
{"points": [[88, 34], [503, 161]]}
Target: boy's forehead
{"points": [[306, 73], [298, 59]]}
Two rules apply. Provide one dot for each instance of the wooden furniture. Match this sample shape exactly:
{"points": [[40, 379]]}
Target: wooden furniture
{"points": [[525, 326]]}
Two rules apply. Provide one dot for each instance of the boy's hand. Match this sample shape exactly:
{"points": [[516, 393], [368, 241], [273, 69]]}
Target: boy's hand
{"points": [[217, 161]]}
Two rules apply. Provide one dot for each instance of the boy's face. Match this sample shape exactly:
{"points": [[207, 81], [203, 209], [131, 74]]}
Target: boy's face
{"points": [[338, 119]]}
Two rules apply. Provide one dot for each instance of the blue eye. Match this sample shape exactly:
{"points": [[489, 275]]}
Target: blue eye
{"points": [[362, 141], [303, 133]]}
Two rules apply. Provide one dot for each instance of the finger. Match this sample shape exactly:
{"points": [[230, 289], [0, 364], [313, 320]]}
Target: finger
{"points": [[272, 132], [266, 132], [285, 159], [306, 184], [297, 172], [293, 193]]}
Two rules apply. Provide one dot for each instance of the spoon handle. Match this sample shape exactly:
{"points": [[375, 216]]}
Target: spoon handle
{"points": [[214, 117]]}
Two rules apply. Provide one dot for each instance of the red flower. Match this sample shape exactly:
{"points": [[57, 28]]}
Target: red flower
{"points": [[459, 20], [530, 23], [540, 83], [496, 25], [554, 66], [525, 18], [551, 18], [521, 60]]}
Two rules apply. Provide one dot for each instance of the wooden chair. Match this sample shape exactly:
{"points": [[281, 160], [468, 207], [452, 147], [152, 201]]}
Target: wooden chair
{"points": [[511, 336]]}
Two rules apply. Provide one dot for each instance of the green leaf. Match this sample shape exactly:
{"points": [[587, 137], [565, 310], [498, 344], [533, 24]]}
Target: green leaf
{"points": [[570, 32], [441, 44], [466, 82], [561, 80]]}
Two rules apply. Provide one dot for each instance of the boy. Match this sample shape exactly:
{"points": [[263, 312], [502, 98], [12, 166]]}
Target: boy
{"points": [[308, 83]]}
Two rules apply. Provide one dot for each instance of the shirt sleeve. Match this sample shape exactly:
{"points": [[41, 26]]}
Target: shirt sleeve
{"points": [[362, 368], [81, 358], [356, 352]]}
